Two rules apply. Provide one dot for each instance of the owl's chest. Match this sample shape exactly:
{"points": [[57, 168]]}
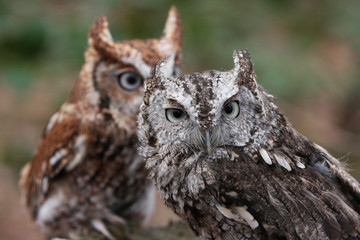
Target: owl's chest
{"points": [[201, 204], [109, 178], [110, 168]]}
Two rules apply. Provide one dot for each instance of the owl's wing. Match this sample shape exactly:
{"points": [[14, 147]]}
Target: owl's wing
{"points": [[348, 182], [62, 147], [285, 196], [319, 160]]}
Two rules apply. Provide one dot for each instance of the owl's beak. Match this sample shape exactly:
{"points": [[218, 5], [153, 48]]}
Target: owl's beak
{"points": [[208, 141]]}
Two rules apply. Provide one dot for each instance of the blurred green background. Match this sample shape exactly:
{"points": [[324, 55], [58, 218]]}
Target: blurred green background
{"points": [[306, 53]]}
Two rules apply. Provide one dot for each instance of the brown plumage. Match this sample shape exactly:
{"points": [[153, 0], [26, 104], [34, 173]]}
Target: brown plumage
{"points": [[86, 170], [226, 159]]}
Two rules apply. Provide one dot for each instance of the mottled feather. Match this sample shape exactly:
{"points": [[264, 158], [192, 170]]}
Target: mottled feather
{"points": [[226, 159], [86, 170]]}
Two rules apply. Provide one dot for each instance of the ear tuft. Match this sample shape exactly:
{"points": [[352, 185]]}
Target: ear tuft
{"points": [[100, 38], [244, 69], [164, 68], [173, 30]]}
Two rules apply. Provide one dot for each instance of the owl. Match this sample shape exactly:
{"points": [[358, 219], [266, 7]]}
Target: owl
{"points": [[226, 159], [86, 171]]}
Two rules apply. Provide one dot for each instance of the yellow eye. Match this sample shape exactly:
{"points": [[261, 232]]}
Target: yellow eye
{"points": [[231, 109], [175, 115]]}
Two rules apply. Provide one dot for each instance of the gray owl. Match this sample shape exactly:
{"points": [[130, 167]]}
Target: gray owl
{"points": [[226, 159]]}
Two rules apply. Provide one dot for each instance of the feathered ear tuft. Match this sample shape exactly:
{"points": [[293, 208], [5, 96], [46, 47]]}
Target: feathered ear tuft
{"points": [[244, 69], [171, 42], [173, 30], [164, 68], [101, 40]]}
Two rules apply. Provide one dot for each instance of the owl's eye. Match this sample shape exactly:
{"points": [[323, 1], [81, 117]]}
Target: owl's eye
{"points": [[129, 80], [174, 115], [231, 109]]}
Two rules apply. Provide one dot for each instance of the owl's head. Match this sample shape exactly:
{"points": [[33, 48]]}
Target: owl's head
{"points": [[205, 111], [113, 75]]}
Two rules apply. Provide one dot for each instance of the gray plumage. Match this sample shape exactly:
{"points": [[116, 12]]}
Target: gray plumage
{"points": [[226, 159]]}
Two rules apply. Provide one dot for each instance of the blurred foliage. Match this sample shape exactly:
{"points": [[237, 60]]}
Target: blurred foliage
{"points": [[301, 49], [284, 36], [14, 156]]}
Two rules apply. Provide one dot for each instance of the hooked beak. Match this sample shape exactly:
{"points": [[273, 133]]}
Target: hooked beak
{"points": [[208, 141]]}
